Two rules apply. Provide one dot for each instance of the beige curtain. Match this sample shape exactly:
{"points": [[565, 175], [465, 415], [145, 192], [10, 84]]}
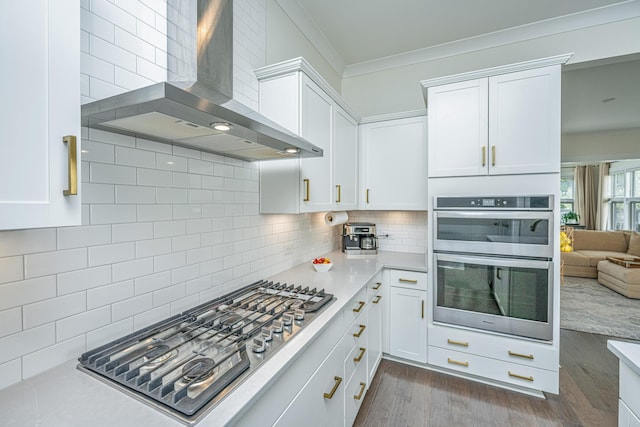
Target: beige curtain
{"points": [[589, 200], [604, 194], [579, 190]]}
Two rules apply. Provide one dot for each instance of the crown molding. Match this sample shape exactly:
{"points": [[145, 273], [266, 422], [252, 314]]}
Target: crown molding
{"points": [[393, 116], [599, 16], [301, 19]]}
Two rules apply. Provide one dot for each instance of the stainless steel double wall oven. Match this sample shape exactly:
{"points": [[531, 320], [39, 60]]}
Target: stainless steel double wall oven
{"points": [[493, 266]]}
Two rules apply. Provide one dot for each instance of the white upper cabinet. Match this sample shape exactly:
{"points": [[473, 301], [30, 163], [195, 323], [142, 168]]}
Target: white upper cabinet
{"points": [[40, 110], [506, 121], [394, 164], [293, 95]]}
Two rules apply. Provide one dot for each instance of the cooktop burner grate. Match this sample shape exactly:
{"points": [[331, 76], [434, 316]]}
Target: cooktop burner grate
{"points": [[186, 364]]}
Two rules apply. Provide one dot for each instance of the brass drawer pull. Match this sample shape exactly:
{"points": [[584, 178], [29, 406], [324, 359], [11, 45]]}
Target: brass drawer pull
{"points": [[306, 192], [338, 189], [72, 189], [359, 307], [367, 196], [377, 286], [522, 377], [455, 362], [493, 155], [422, 309], [361, 355], [484, 155], [407, 280], [377, 300], [460, 343], [524, 356], [362, 328], [329, 395], [359, 395]]}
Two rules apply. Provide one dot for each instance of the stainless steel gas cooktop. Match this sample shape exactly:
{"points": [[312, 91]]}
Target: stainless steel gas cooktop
{"points": [[185, 365]]}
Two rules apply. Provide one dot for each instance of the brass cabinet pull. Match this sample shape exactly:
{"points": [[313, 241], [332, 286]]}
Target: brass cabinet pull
{"points": [[484, 155], [367, 195], [361, 355], [72, 189], [377, 300], [338, 190], [329, 395], [460, 343], [407, 280], [377, 286], [362, 328], [423, 309], [455, 362], [522, 377], [359, 395], [359, 307], [524, 356], [306, 190], [493, 155]]}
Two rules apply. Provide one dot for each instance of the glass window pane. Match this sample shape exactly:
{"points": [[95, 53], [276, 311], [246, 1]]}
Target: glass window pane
{"points": [[566, 188], [618, 185], [617, 215], [636, 183], [565, 207], [635, 216]]}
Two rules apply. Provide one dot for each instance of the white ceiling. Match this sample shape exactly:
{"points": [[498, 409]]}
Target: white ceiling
{"points": [[353, 32]]}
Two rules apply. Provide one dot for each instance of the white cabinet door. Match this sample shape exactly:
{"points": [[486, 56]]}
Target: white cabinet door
{"points": [[458, 129], [524, 121], [40, 53], [345, 160], [408, 324], [394, 154], [321, 400], [316, 126]]}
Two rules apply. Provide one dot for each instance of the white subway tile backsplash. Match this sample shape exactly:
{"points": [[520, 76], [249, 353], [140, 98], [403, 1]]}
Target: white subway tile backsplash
{"points": [[131, 306], [169, 228], [182, 274], [92, 23], [10, 373], [110, 254], [23, 292], [183, 304], [200, 284], [21, 242], [200, 196], [76, 237], [213, 182], [112, 13], [198, 226], [99, 89], [153, 247], [81, 323], [169, 261], [108, 294], [97, 69], [131, 232], [111, 138], [152, 282], [154, 212], [43, 264], [154, 178], [137, 46], [201, 167], [150, 70], [130, 194], [213, 266], [134, 157], [186, 152], [80, 280], [147, 318], [49, 357], [138, 9], [158, 147], [10, 321], [97, 193], [112, 214], [171, 163], [189, 212], [185, 242], [184, 180], [196, 256], [171, 195], [131, 269], [109, 333], [168, 294], [26, 342], [112, 53], [42, 312], [11, 269], [112, 174], [99, 152]]}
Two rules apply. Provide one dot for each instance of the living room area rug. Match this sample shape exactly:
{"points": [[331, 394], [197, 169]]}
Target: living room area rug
{"points": [[587, 306]]}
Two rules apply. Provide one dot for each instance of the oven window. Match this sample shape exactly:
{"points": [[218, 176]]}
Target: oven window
{"points": [[499, 230], [517, 292]]}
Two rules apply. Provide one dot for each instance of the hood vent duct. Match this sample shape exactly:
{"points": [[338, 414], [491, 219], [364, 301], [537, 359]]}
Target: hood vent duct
{"points": [[187, 109]]}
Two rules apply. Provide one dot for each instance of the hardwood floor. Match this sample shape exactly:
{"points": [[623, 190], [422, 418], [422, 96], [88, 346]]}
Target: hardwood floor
{"points": [[403, 395]]}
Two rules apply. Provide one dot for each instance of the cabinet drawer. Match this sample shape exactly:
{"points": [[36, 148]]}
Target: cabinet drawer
{"points": [[355, 336], [408, 279], [354, 393], [356, 355], [511, 373], [510, 350], [629, 386], [355, 308], [626, 418]]}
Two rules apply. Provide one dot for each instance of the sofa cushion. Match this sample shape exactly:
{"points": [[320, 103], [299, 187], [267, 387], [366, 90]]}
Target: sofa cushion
{"points": [[574, 258], [614, 241], [634, 244], [596, 256], [630, 276]]}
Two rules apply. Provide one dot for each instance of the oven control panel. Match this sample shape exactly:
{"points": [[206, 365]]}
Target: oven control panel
{"points": [[505, 202]]}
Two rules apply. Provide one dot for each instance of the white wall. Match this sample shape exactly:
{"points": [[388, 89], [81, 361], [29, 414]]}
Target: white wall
{"points": [[600, 146], [164, 228]]}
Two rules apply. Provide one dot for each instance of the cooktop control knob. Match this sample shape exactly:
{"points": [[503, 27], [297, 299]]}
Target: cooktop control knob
{"points": [[287, 318], [266, 334], [259, 345], [298, 314], [276, 326]]}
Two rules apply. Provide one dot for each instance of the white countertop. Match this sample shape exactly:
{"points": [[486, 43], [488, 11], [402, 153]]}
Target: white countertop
{"points": [[627, 352], [64, 396]]}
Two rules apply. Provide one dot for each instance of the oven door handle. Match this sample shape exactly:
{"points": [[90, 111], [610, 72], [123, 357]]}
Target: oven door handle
{"points": [[493, 261]]}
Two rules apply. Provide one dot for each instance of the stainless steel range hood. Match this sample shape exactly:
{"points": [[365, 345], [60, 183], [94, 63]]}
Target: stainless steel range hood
{"points": [[198, 94]]}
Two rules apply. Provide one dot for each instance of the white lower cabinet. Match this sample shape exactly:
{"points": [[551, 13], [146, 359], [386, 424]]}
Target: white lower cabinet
{"points": [[408, 324], [626, 418], [354, 394]]}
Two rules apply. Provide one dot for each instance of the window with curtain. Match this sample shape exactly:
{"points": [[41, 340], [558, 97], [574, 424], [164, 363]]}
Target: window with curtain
{"points": [[566, 194], [624, 204]]}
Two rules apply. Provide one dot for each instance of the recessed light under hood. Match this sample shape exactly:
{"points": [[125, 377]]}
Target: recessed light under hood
{"points": [[198, 94]]}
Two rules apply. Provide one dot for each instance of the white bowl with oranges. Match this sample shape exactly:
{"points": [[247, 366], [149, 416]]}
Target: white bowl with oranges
{"points": [[322, 264]]}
